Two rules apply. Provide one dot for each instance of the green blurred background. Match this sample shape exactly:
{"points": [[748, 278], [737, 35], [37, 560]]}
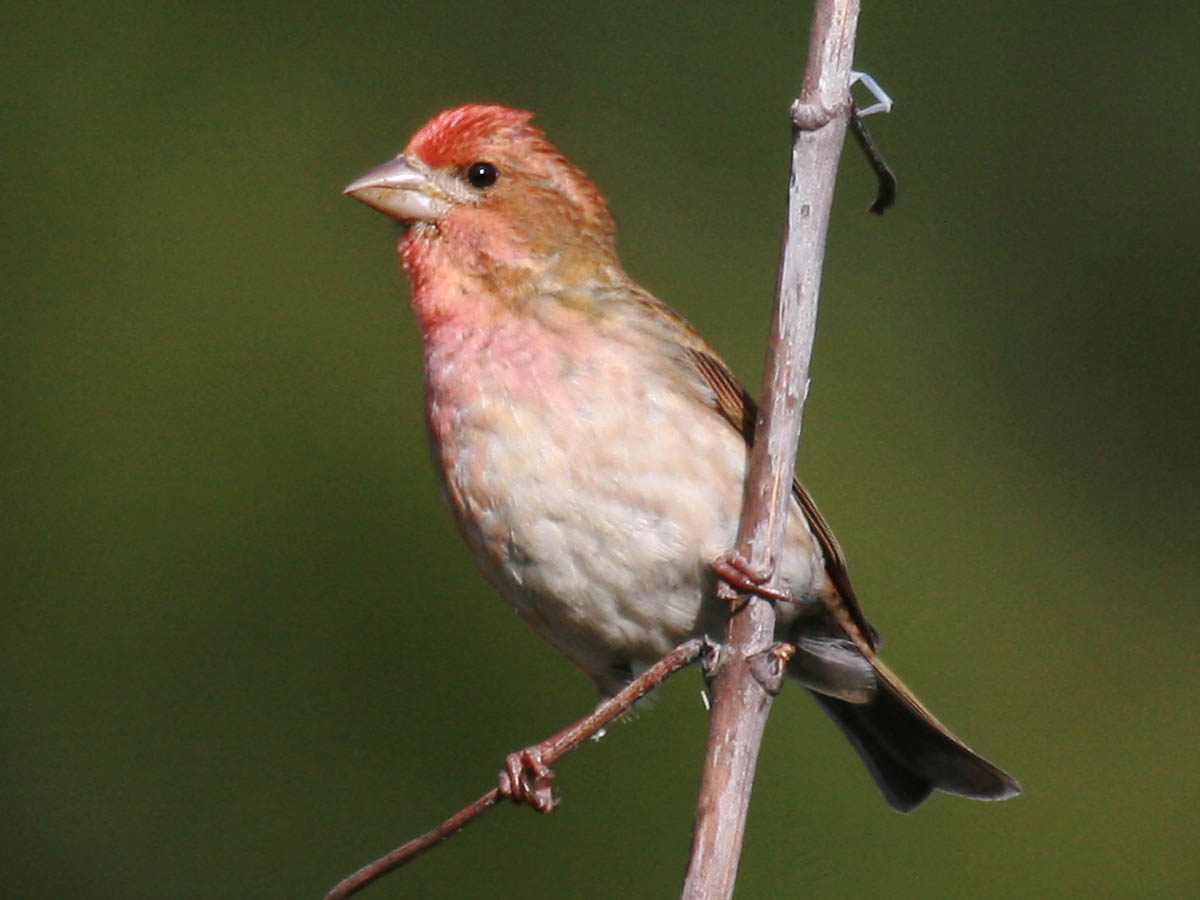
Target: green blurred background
{"points": [[243, 651]]}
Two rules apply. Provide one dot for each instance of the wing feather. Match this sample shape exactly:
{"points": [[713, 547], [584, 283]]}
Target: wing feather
{"points": [[739, 409]]}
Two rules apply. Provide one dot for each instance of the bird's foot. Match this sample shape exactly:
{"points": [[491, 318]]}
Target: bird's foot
{"points": [[769, 666], [527, 779], [737, 572]]}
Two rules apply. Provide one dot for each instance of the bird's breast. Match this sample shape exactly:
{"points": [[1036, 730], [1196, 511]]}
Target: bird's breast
{"points": [[592, 490]]}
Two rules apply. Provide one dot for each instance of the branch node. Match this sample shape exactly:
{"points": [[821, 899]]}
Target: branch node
{"points": [[815, 116], [527, 779]]}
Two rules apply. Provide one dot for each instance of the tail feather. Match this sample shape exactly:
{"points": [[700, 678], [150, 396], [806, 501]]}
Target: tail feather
{"points": [[902, 788], [908, 752]]}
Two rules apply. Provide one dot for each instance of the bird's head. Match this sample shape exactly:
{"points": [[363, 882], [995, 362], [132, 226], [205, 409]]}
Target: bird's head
{"points": [[481, 191]]}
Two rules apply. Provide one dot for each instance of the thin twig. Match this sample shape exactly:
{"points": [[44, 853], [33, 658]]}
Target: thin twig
{"points": [[741, 701], [551, 750], [885, 194]]}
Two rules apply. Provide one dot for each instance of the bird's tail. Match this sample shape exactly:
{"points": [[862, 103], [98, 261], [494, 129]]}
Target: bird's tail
{"points": [[908, 752]]}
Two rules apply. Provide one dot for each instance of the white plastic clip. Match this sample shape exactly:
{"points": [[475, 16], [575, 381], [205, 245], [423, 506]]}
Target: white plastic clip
{"points": [[883, 103]]}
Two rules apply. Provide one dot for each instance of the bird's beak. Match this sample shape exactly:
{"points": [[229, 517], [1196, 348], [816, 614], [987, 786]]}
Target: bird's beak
{"points": [[403, 189]]}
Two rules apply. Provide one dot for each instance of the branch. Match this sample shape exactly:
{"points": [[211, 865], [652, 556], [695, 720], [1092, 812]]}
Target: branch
{"points": [[547, 752], [742, 689]]}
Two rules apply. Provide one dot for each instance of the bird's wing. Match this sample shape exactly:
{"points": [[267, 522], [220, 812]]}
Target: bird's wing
{"points": [[739, 409]]}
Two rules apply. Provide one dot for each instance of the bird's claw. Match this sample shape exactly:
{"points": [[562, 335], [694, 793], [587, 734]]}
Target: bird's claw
{"points": [[527, 779], [737, 572], [768, 667]]}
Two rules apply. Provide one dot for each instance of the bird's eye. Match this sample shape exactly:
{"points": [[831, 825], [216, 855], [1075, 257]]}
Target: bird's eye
{"points": [[482, 174]]}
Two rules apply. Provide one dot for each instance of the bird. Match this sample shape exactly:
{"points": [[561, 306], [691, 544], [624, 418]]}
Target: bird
{"points": [[592, 446]]}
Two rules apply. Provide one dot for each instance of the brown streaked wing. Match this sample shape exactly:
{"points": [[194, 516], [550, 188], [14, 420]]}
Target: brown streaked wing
{"points": [[738, 408]]}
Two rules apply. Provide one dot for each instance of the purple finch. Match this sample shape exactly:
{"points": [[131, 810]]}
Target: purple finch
{"points": [[592, 446]]}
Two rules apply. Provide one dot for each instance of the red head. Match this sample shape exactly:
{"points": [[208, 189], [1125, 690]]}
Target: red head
{"points": [[488, 196]]}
